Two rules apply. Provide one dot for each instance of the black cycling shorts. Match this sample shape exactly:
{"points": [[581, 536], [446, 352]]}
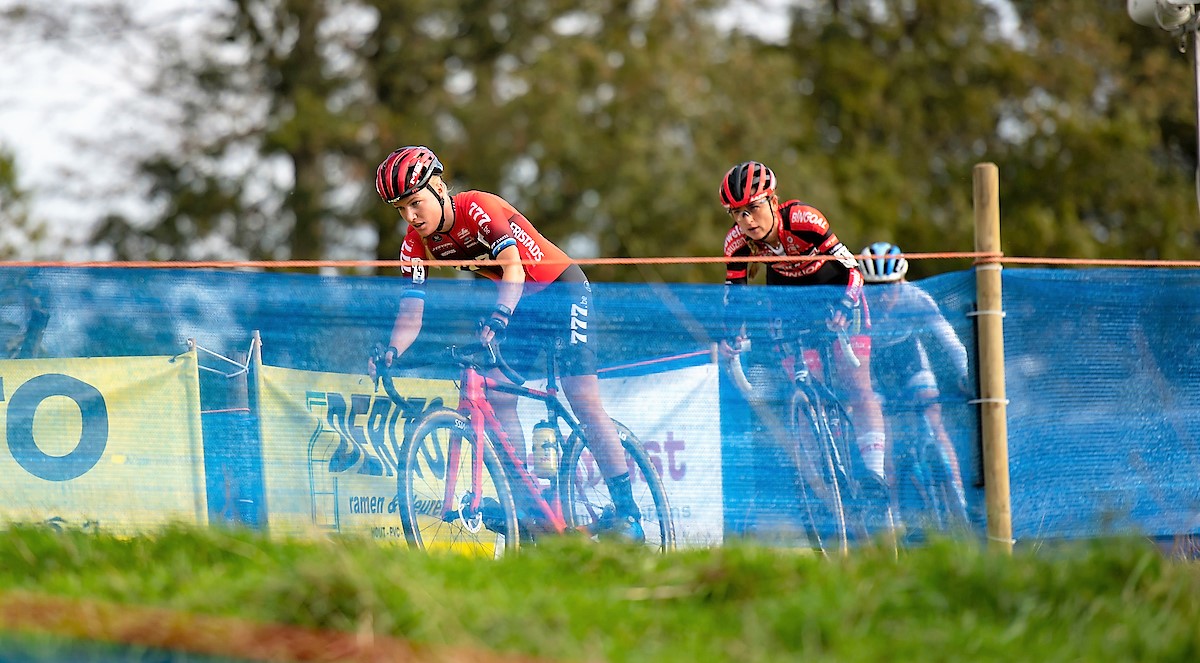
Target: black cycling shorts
{"points": [[559, 316]]}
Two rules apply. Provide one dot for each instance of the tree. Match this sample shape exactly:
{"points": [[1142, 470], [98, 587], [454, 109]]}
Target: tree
{"points": [[586, 115], [609, 123], [589, 116], [1104, 160], [259, 168], [21, 232], [903, 98]]}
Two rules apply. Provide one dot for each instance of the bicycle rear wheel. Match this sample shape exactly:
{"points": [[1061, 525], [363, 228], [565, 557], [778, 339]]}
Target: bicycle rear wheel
{"points": [[584, 493], [441, 449], [943, 500], [925, 491], [821, 490]]}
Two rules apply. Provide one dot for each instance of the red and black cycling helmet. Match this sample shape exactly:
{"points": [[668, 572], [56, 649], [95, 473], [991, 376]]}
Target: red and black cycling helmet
{"points": [[406, 171], [746, 183]]}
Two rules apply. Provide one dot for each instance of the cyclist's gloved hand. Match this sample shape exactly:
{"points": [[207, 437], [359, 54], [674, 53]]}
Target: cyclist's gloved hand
{"points": [[734, 345], [840, 314], [373, 360], [494, 327], [735, 338], [380, 357], [497, 324], [966, 385]]}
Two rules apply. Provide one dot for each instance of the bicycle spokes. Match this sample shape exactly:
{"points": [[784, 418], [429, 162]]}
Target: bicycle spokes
{"points": [[588, 506], [462, 503]]}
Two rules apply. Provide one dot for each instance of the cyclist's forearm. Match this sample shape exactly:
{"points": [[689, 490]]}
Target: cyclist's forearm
{"points": [[512, 282], [408, 324], [508, 293], [950, 343], [735, 302], [853, 294]]}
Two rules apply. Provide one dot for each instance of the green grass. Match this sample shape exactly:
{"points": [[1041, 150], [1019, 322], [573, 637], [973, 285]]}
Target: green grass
{"points": [[572, 601]]}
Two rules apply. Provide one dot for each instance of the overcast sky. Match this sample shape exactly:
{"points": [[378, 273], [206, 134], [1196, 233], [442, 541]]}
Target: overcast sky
{"points": [[76, 86]]}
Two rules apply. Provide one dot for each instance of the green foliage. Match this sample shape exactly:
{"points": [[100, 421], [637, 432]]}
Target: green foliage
{"points": [[904, 104], [609, 123], [20, 229], [1107, 167], [1114, 600]]}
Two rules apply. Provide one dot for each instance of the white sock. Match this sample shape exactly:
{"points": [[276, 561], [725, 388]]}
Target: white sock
{"points": [[871, 448]]}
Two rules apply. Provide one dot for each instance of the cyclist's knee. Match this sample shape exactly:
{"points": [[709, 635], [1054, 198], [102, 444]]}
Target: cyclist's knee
{"points": [[926, 397], [923, 386], [501, 399], [581, 388]]}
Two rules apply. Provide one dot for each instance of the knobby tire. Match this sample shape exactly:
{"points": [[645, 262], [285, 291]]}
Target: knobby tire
{"points": [[585, 497], [424, 467], [821, 487], [924, 471]]}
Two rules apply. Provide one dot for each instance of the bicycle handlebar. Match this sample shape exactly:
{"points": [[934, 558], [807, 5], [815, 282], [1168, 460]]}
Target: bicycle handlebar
{"points": [[494, 359], [463, 357], [383, 373], [844, 341], [737, 372]]}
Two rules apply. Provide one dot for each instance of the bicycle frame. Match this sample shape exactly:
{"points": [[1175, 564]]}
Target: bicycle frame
{"points": [[465, 484], [474, 404], [914, 440], [828, 470]]}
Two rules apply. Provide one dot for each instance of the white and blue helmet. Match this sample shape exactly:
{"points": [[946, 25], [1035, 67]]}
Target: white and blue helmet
{"points": [[882, 262]]}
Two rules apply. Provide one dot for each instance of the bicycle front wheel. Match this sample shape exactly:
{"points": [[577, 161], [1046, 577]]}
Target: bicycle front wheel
{"points": [[821, 487], [942, 498], [584, 493], [929, 500], [442, 506]]}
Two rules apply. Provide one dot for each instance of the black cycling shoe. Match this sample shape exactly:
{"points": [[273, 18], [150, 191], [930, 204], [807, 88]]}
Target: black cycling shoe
{"points": [[491, 514], [875, 495], [875, 486], [609, 526]]}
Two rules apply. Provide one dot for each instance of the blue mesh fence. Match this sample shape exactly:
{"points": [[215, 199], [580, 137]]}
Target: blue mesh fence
{"points": [[1102, 374], [102, 400]]}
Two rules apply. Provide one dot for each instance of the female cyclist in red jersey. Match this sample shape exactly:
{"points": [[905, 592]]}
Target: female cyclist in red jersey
{"points": [[764, 227], [475, 225]]}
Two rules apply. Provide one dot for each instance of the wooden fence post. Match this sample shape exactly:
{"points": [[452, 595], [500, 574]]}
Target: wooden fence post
{"points": [[989, 321]]}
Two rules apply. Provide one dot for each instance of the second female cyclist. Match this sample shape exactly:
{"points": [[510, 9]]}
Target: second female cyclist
{"points": [[764, 227]]}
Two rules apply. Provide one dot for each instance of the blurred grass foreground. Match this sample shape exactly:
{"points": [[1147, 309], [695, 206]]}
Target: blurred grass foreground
{"points": [[204, 595]]}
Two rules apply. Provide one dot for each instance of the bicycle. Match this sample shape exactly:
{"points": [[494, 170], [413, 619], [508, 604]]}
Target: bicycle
{"points": [[924, 494], [822, 444], [460, 474]]}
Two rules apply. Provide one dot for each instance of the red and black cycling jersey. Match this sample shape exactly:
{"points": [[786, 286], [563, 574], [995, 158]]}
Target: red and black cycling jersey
{"points": [[484, 225], [803, 231]]}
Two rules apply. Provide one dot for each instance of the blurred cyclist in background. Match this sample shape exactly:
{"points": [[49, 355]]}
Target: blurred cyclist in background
{"points": [[24, 317], [762, 226], [907, 326], [475, 225]]}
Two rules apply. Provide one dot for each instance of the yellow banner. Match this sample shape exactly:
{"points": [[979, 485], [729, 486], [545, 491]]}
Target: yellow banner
{"points": [[330, 447], [111, 443]]}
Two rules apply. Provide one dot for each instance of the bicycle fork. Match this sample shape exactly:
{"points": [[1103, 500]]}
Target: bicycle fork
{"points": [[451, 508], [479, 411]]}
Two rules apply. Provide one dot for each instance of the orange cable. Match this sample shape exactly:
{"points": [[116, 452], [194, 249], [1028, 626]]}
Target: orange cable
{"points": [[1106, 262], [978, 257], [281, 264]]}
